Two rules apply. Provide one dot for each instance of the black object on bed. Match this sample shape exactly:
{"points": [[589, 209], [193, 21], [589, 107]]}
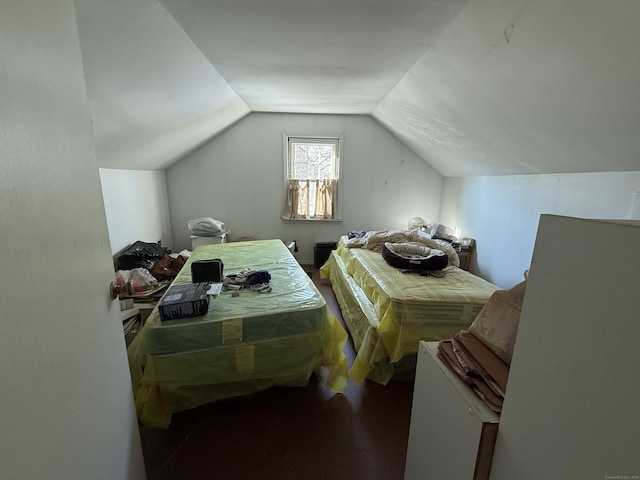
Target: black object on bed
{"points": [[414, 256], [208, 270]]}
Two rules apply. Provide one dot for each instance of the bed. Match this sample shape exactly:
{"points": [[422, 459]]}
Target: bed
{"points": [[388, 312], [244, 344]]}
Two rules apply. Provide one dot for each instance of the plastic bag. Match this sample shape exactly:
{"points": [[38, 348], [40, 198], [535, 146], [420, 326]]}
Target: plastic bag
{"points": [[140, 278], [207, 227], [416, 222], [140, 255], [437, 230]]}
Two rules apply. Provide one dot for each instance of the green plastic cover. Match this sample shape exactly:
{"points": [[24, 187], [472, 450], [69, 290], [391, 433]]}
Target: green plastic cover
{"points": [[388, 312], [244, 343]]}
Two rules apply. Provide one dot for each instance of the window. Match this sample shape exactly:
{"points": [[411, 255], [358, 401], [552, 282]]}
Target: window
{"points": [[312, 173]]}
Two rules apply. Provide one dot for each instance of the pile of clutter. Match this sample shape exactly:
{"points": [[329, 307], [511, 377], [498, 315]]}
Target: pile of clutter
{"points": [[148, 266], [248, 279]]}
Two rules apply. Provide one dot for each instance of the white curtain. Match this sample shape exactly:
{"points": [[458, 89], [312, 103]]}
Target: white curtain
{"points": [[310, 199]]}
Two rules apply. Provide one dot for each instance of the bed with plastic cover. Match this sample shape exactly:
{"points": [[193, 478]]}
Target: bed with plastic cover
{"points": [[246, 342], [389, 310]]}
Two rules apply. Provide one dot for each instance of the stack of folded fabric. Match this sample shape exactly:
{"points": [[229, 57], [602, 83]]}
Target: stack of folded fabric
{"points": [[477, 366], [481, 356]]}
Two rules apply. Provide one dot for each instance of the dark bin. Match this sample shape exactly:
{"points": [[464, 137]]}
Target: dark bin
{"points": [[321, 252]]}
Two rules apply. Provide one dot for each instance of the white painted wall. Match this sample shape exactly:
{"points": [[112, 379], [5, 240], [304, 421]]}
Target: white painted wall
{"points": [[136, 205], [502, 212], [66, 407], [238, 178]]}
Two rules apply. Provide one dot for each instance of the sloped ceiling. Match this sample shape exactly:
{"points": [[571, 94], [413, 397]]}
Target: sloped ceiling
{"points": [[478, 87], [518, 87], [153, 95]]}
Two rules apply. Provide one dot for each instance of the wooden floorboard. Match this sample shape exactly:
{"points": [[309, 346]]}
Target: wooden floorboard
{"points": [[303, 433]]}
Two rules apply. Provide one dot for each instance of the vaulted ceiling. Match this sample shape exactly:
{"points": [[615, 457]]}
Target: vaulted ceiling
{"points": [[474, 87]]}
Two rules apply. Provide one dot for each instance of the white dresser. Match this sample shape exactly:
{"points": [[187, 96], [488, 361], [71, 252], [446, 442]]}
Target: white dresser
{"points": [[197, 241], [452, 432]]}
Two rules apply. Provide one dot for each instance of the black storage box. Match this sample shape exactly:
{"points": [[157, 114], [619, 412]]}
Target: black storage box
{"points": [[210, 270], [184, 301], [321, 252]]}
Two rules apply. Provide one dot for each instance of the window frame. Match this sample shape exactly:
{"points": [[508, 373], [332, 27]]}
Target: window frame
{"points": [[337, 140]]}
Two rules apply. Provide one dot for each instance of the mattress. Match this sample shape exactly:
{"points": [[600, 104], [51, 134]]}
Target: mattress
{"points": [[243, 344], [388, 312]]}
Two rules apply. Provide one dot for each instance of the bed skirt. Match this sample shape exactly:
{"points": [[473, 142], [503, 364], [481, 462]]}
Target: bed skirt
{"points": [[387, 313]]}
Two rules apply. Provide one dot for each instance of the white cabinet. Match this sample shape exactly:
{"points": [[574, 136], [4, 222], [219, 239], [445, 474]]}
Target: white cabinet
{"points": [[572, 407], [452, 432], [197, 241]]}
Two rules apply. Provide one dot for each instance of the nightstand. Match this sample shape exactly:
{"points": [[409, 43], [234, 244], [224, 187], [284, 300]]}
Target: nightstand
{"points": [[465, 259], [465, 248]]}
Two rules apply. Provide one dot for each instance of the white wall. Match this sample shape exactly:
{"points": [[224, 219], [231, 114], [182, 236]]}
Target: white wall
{"points": [[238, 178], [502, 213], [66, 407], [136, 206]]}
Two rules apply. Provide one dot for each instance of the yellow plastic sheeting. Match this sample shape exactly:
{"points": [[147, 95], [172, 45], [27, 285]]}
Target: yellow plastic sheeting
{"points": [[389, 312], [243, 344]]}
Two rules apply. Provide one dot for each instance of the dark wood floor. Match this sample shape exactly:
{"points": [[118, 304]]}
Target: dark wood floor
{"points": [[289, 433]]}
